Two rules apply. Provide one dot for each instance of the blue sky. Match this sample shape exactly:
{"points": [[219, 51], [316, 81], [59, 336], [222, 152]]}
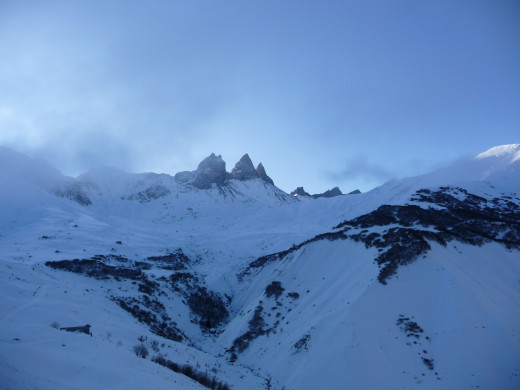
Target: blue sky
{"points": [[323, 93]]}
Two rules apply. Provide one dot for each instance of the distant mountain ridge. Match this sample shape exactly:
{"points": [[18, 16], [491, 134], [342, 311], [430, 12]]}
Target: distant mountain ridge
{"points": [[300, 191]]}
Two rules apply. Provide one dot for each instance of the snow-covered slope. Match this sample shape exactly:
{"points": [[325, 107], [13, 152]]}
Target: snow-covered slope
{"points": [[411, 285]]}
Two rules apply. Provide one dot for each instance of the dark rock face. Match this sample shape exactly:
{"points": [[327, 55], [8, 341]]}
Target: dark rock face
{"points": [[211, 170], [263, 175], [299, 191], [244, 169], [355, 192], [329, 193]]}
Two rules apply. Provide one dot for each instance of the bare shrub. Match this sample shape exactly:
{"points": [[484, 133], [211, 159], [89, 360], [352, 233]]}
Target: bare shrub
{"points": [[154, 344], [141, 350]]}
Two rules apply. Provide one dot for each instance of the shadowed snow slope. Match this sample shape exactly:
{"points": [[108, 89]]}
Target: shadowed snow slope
{"points": [[235, 284]]}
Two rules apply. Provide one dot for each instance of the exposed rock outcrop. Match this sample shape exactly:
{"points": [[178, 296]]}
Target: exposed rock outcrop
{"points": [[263, 175], [211, 170], [244, 169], [299, 191]]}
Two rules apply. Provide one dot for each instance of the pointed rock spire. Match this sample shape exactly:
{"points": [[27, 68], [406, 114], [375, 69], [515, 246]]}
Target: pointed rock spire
{"points": [[263, 175], [244, 169]]}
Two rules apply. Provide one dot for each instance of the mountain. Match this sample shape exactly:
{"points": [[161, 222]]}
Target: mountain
{"points": [[212, 171], [221, 280], [329, 193], [300, 192]]}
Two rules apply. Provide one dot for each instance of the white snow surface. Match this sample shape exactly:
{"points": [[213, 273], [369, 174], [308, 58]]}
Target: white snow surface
{"points": [[465, 298]]}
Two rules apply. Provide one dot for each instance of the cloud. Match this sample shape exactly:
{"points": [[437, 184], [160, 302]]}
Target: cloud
{"points": [[361, 168]]}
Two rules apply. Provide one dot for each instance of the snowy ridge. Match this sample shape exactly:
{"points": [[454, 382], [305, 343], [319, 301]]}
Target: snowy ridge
{"points": [[248, 287]]}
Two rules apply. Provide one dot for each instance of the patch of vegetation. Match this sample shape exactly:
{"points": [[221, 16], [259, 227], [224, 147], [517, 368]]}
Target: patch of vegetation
{"points": [[275, 288], [256, 329], [141, 351], [96, 269], [409, 327], [176, 261], [207, 307], [152, 313], [413, 331], [201, 377], [148, 286], [428, 363], [302, 343]]}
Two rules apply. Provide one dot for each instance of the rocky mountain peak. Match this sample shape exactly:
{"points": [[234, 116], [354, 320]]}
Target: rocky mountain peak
{"points": [[210, 170], [263, 175], [244, 169], [299, 191]]}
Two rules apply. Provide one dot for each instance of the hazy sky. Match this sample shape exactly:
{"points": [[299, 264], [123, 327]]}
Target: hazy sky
{"points": [[324, 93]]}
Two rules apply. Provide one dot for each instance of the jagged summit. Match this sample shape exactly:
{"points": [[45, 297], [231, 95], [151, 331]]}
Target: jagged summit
{"points": [[212, 170], [244, 169], [263, 175], [329, 193], [299, 191]]}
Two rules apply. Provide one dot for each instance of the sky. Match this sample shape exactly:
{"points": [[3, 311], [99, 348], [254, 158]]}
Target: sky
{"points": [[323, 93]]}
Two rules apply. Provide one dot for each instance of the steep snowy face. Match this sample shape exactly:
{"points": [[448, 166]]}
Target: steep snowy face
{"points": [[491, 166], [496, 168], [499, 164], [510, 153], [244, 169]]}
